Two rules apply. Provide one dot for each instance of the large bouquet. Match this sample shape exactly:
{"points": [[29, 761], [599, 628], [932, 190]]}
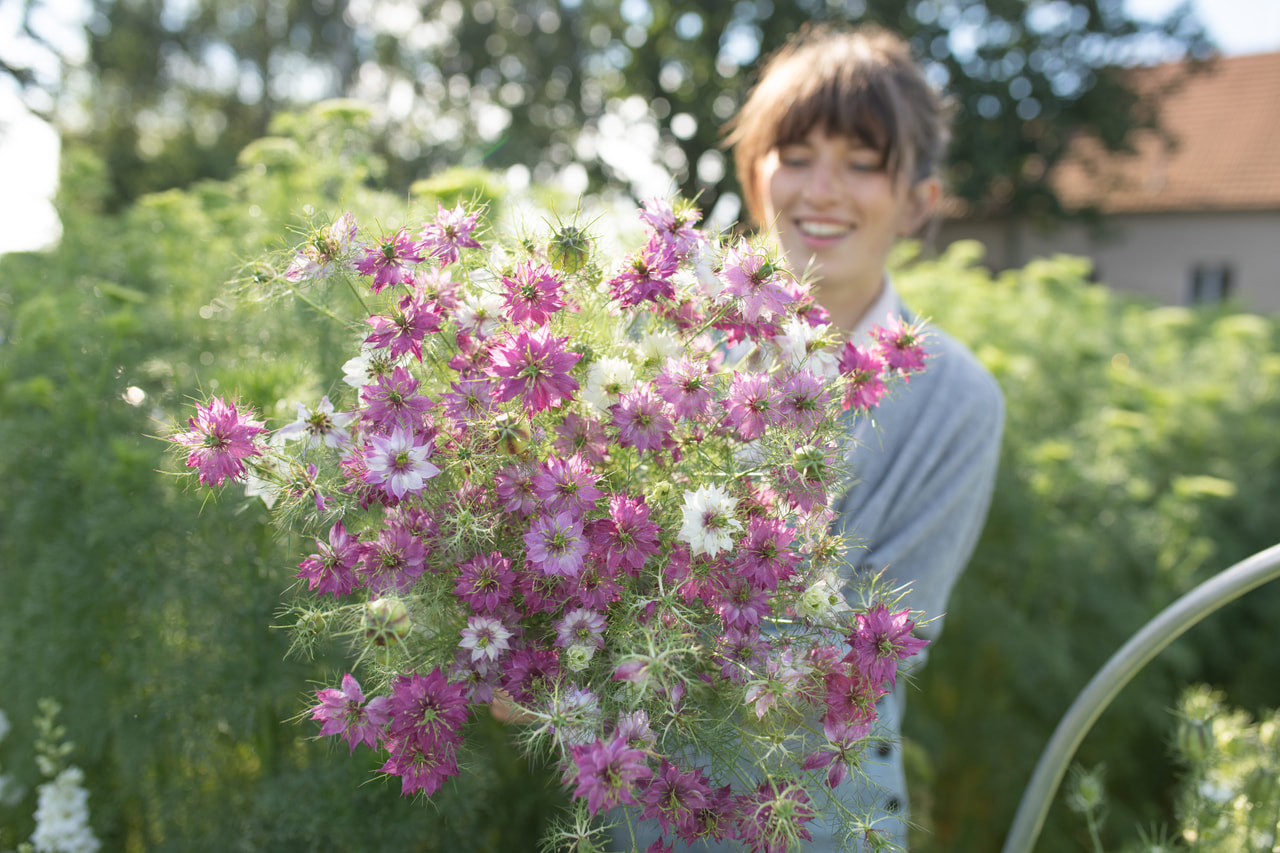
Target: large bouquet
{"points": [[592, 497]]}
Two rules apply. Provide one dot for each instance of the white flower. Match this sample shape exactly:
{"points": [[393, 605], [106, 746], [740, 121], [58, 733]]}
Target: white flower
{"points": [[607, 379], [803, 345], [319, 426], [486, 637], [62, 816], [819, 600], [657, 347], [577, 657], [480, 313], [709, 525]]}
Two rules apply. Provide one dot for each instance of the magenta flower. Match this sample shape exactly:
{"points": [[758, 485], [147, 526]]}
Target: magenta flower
{"points": [[627, 538], [533, 294], [393, 401], [576, 434], [805, 401], [390, 261], [742, 604], [485, 582], [881, 640], [646, 276], [597, 587], [607, 774], [641, 419], [450, 232], [901, 345], [427, 710], [333, 569], [398, 463], [774, 816], [535, 366], [851, 699], [751, 277], [403, 330], [345, 713], [555, 544], [393, 561], [674, 798], [421, 766], [764, 555], [567, 485], [862, 369], [686, 385], [752, 404], [531, 673], [220, 437], [674, 227], [469, 400]]}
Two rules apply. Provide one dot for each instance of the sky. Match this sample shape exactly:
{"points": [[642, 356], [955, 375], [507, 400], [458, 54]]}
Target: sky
{"points": [[29, 148]]}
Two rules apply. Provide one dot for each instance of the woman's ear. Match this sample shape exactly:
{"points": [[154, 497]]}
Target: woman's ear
{"points": [[922, 200]]}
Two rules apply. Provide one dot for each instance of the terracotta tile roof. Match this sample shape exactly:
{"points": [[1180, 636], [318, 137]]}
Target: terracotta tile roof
{"points": [[1226, 156]]}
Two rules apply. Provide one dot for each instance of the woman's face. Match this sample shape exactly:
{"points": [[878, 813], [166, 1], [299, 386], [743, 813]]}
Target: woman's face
{"points": [[831, 201]]}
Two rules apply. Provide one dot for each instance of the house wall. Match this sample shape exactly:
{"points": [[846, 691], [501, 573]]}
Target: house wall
{"points": [[1154, 254]]}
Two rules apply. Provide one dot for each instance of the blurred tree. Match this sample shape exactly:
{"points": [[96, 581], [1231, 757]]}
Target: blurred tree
{"points": [[627, 93]]}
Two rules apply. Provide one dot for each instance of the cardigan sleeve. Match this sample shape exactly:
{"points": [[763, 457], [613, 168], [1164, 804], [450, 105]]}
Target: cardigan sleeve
{"points": [[923, 478]]}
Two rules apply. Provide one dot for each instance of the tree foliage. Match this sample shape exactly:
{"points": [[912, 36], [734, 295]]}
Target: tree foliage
{"points": [[620, 92]]}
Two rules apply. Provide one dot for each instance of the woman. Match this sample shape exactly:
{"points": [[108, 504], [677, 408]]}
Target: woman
{"points": [[838, 149]]}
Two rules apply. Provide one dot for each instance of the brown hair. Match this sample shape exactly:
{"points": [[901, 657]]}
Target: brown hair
{"points": [[861, 83]]}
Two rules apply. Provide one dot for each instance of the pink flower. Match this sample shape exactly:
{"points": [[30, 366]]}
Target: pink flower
{"points": [[805, 401], [752, 404], [580, 627], [674, 798], [686, 385], [627, 537], [607, 774], [344, 713], [750, 276], [851, 699], [742, 604], [674, 227], [646, 276], [220, 437], [764, 555], [485, 582], [774, 816], [421, 766], [404, 328], [393, 561], [333, 569], [315, 257], [450, 232], [862, 369], [535, 366], [533, 294], [641, 419], [393, 401], [391, 261], [513, 486], [398, 463], [901, 345], [555, 545], [881, 640], [567, 485], [576, 434], [426, 710], [469, 400]]}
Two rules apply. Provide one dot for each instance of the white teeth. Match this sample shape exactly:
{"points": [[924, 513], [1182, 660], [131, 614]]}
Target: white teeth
{"points": [[822, 229]]}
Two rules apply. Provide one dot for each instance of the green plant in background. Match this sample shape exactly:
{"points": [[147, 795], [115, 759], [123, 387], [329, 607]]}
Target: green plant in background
{"points": [[1139, 458]]}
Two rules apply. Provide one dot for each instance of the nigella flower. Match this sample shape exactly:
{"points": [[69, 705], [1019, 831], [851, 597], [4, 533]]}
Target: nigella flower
{"points": [[772, 820], [531, 674], [403, 330], [534, 366], [398, 463], [315, 257], [708, 526], [485, 582], [366, 367], [427, 709], [674, 797], [881, 640], [741, 653], [567, 485], [581, 627], [641, 419], [646, 275], [485, 637], [533, 294], [345, 713], [686, 385], [421, 766], [597, 587], [741, 604], [333, 569], [393, 561], [469, 400], [850, 700], [627, 537], [390, 261], [555, 544], [752, 403], [574, 716], [805, 401], [607, 379], [606, 774], [393, 402], [576, 434], [803, 344], [902, 345], [764, 555], [450, 232], [633, 727], [751, 277], [221, 435], [513, 486], [675, 227], [862, 369], [480, 314], [319, 426]]}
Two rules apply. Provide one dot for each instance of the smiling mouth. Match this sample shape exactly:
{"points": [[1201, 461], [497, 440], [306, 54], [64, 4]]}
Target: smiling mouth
{"points": [[822, 230]]}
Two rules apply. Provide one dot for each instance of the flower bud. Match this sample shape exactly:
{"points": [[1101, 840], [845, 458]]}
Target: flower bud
{"points": [[577, 657], [386, 621], [569, 250], [1194, 738]]}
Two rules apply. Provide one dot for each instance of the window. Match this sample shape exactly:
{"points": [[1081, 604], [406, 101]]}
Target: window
{"points": [[1210, 283]]}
